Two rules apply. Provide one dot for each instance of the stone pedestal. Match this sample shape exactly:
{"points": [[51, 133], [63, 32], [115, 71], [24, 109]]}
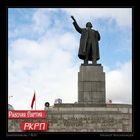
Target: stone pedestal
{"points": [[73, 118], [91, 84]]}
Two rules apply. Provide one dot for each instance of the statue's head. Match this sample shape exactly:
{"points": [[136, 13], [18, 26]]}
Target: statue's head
{"points": [[89, 24]]}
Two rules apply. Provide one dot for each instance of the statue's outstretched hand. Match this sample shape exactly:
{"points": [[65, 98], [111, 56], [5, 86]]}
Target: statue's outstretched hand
{"points": [[73, 18]]}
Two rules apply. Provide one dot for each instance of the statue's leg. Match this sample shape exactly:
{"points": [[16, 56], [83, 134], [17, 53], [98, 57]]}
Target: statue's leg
{"points": [[87, 53], [94, 61], [85, 61]]}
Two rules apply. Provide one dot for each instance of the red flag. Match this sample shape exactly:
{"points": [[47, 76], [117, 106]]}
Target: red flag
{"points": [[33, 100]]}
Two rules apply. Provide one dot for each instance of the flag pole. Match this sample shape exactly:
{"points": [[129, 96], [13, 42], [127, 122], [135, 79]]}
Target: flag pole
{"points": [[35, 100]]}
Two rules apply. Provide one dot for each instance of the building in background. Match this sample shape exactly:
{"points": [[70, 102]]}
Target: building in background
{"points": [[58, 101], [10, 107]]}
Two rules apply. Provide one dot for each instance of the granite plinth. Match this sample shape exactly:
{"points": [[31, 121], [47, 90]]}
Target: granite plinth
{"points": [[91, 84]]}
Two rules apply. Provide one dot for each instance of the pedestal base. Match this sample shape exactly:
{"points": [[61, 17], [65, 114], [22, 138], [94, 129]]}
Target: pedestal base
{"points": [[91, 84]]}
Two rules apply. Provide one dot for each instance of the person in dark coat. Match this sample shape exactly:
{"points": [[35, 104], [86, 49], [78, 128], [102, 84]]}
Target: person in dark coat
{"points": [[89, 46]]}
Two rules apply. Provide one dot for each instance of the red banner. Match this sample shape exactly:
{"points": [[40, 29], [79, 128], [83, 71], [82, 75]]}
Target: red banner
{"points": [[26, 114], [34, 126]]}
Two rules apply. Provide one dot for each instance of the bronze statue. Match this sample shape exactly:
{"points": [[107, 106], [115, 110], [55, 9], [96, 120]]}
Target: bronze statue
{"points": [[89, 46]]}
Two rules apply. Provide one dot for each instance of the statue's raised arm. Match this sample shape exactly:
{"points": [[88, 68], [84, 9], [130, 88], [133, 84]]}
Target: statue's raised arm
{"points": [[76, 25], [73, 18]]}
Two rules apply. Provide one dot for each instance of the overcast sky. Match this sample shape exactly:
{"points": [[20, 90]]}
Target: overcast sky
{"points": [[43, 47]]}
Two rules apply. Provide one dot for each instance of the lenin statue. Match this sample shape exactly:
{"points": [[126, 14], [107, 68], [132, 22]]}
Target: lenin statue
{"points": [[89, 47]]}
